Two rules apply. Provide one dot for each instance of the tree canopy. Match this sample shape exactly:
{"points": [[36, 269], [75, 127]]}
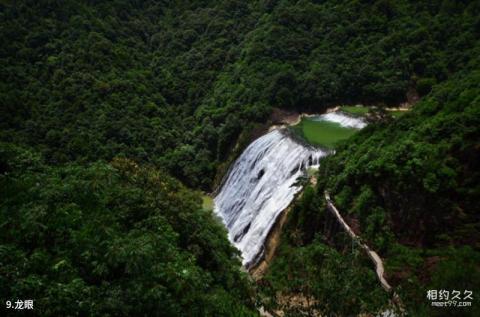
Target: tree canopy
{"points": [[115, 114]]}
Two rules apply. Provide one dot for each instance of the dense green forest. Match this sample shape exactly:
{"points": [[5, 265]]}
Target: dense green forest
{"points": [[113, 114], [112, 240], [174, 84], [413, 185]]}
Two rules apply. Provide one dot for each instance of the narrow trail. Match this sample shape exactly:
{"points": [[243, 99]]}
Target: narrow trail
{"points": [[379, 268]]}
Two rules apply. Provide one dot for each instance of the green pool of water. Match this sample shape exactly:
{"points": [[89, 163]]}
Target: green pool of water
{"points": [[322, 133]]}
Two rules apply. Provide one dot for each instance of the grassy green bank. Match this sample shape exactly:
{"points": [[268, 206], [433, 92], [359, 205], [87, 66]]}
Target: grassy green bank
{"points": [[362, 111], [356, 111], [207, 202]]}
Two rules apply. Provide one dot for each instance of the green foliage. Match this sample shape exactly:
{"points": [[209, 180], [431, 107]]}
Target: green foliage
{"points": [[112, 239], [436, 269], [424, 85], [411, 187], [458, 271], [83, 81], [332, 283], [207, 202], [175, 84], [420, 163], [355, 110]]}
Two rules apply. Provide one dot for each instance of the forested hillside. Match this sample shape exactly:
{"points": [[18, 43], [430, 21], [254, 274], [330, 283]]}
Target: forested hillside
{"points": [[174, 84], [411, 187], [114, 114], [112, 240]]}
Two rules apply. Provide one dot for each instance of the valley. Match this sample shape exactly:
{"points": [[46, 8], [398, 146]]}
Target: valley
{"points": [[171, 158]]}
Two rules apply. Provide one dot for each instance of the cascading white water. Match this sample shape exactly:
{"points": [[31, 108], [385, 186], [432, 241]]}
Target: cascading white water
{"points": [[261, 184], [342, 119]]}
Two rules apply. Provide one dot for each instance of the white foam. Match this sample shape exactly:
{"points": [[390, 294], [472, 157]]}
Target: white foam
{"points": [[261, 183], [259, 186], [343, 120]]}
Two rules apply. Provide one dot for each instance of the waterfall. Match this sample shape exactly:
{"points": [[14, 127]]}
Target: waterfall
{"points": [[260, 185]]}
